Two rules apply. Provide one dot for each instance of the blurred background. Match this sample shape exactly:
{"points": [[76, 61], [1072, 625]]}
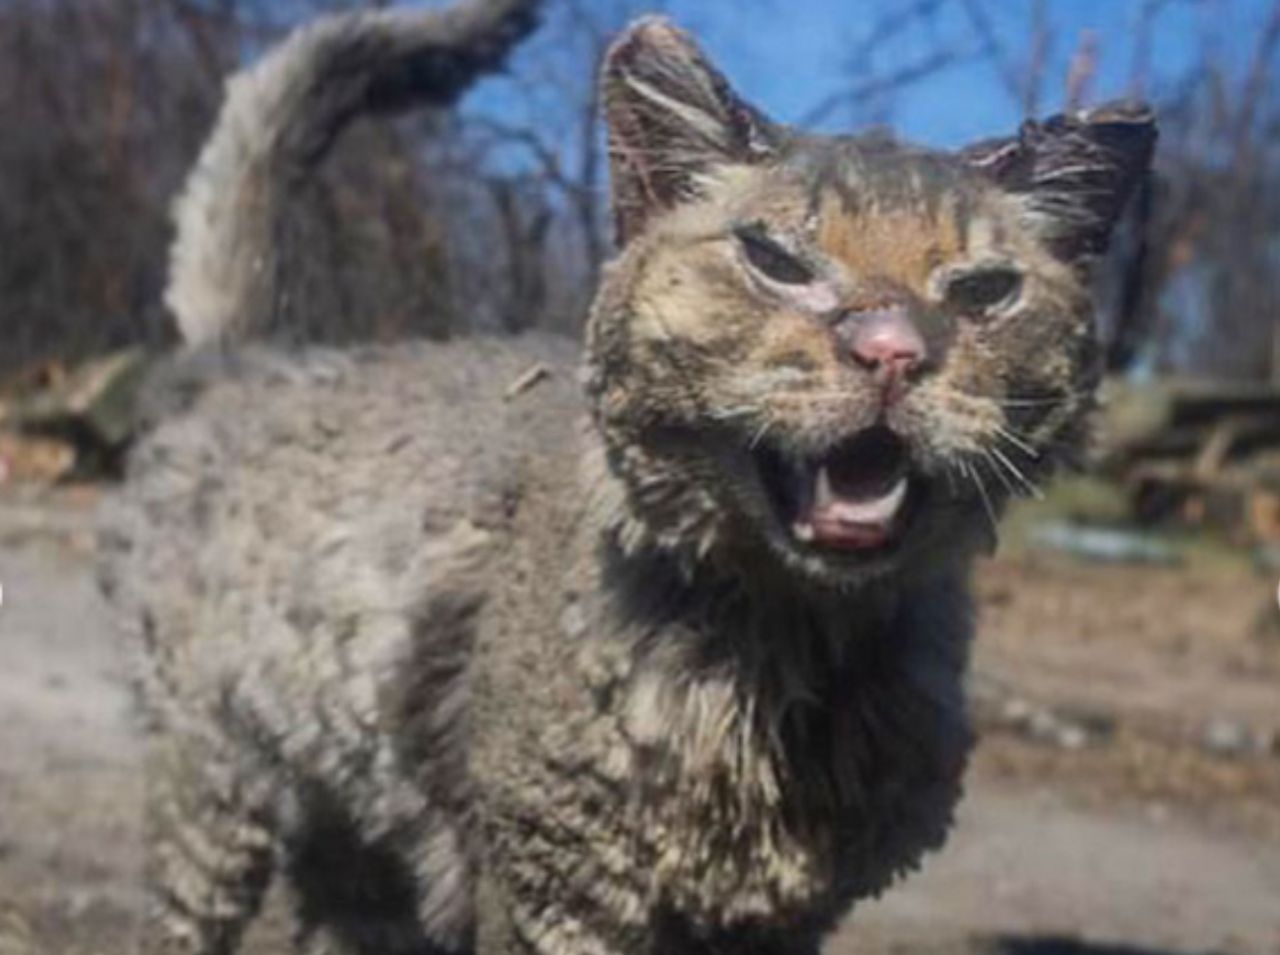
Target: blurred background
{"points": [[1125, 798]]}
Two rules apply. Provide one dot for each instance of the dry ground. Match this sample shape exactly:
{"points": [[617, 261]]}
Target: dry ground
{"points": [[1124, 801]]}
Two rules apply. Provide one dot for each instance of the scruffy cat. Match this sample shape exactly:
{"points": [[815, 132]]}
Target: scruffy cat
{"points": [[675, 669]]}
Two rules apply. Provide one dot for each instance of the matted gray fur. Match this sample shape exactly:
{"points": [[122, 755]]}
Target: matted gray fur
{"points": [[484, 665]]}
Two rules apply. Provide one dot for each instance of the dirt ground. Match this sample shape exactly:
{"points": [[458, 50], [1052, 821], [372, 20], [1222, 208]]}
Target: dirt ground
{"points": [[1125, 799]]}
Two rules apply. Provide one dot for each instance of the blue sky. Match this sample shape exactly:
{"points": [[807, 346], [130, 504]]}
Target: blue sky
{"points": [[787, 55]]}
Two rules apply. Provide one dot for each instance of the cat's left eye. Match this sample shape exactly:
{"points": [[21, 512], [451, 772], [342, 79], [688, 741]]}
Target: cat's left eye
{"points": [[771, 259], [984, 289]]}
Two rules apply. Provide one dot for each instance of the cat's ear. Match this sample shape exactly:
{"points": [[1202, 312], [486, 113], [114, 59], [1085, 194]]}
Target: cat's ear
{"points": [[1075, 171], [671, 117]]}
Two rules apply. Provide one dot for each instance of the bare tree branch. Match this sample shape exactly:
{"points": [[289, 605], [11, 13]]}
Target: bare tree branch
{"points": [[878, 86], [1083, 69]]}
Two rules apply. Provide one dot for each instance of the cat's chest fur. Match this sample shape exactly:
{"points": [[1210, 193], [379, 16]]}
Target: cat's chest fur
{"points": [[781, 759], [694, 750]]}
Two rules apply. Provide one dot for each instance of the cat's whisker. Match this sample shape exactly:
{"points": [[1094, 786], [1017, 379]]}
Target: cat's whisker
{"points": [[1028, 402], [759, 436], [1016, 439], [1032, 488], [949, 473], [981, 488], [998, 471]]}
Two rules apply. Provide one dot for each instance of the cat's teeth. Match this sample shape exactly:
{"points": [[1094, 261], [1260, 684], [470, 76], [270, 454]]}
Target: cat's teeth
{"points": [[802, 530], [880, 510], [823, 496]]}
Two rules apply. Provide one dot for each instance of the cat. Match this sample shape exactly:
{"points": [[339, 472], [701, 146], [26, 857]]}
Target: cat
{"points": [[497, 646]]}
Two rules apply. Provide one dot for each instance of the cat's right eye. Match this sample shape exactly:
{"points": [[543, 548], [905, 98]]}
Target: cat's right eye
{"points": [[770, 259], [984, 289]]}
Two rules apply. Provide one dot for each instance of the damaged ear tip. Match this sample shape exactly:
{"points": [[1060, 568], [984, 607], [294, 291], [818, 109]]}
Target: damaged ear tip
{"points": [[1124, 111], [1126, 116], [1128, 126], [651, 31]]}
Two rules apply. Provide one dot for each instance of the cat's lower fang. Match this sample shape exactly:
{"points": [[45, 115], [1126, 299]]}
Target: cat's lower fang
{"points": [[846, 523]]}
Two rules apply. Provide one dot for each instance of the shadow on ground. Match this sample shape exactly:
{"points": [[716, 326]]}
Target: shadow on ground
{"points": [[1066, 945]]}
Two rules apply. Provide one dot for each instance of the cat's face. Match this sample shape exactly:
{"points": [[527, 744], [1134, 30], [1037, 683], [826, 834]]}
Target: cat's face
{"points": [[839, 356]]}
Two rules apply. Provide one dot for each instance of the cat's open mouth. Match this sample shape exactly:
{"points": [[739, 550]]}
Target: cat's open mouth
{"points": [[853, 497]]}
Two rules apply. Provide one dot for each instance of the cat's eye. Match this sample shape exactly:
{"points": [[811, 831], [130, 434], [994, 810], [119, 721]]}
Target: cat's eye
{"points": [[984, 289], [771, 259]]}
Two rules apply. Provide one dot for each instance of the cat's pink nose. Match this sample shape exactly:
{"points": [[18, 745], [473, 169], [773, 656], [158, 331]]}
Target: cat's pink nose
{"points": [[885, 341]]}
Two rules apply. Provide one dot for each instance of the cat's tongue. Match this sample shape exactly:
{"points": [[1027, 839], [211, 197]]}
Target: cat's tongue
{"points": [[855, 497]]}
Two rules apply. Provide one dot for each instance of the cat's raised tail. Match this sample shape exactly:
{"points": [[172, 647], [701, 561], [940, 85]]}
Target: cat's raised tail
{"points": [[278, 120]]}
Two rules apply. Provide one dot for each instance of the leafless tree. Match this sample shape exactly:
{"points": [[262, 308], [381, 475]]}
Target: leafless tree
{"points": [[495, 217], [1210, 298]]}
